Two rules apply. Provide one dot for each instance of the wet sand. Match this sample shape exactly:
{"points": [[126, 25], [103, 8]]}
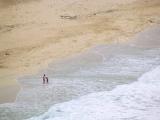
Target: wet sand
{"points": [[8, 92], [8, 87], [34, 34]]}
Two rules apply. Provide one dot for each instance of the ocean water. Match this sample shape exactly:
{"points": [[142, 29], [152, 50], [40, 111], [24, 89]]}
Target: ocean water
{"points": [[136, 101], [113, 79]]}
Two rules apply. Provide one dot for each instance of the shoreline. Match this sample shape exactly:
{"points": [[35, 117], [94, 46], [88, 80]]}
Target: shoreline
{"points": [[101, 68], [13, 89], [30, 43]]}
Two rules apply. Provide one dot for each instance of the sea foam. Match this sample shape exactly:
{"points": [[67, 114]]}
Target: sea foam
{"points": [[136, 101]]}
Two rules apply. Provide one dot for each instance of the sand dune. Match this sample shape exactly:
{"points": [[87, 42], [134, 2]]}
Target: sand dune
{"points": [[38, 32]]}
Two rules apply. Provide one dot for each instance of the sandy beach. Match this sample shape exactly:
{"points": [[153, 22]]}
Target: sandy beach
{"points": [[38, 32]]}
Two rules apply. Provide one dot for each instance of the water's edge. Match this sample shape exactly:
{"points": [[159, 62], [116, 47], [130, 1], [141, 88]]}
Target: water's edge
{"points": [[101, 68]]}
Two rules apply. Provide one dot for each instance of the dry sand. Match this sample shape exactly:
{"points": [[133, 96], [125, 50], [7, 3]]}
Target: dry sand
{"points": [[38, 32]]}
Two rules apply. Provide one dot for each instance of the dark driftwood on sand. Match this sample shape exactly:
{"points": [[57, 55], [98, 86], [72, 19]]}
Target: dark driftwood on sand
{"points": [[68, 17]]}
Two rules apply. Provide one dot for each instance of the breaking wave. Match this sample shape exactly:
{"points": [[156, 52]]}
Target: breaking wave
{"points": [[136, 101]]}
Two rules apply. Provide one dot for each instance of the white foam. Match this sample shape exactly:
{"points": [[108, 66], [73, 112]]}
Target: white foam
{"points": [[137, 101]]}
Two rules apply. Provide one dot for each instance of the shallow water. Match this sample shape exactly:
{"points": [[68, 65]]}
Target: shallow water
{"points": [[101, 68], [139, 100]]}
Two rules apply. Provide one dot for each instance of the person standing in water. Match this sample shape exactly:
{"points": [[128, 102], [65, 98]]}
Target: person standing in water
{"points": [[45, 79]]}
